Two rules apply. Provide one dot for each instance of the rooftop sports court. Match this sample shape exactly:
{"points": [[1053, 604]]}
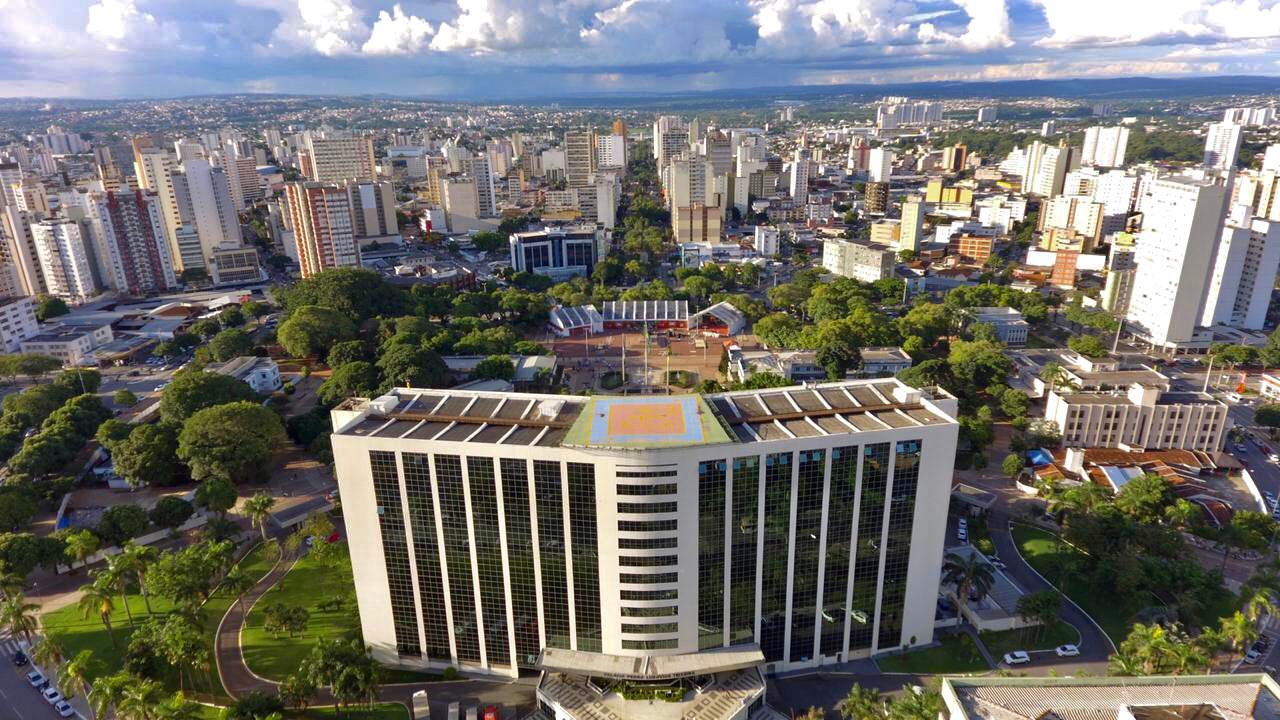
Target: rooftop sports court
{"points": [[646, 421]]}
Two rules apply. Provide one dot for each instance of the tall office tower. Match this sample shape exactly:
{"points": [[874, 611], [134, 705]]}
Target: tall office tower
{"points": [[799, 187], [20, 251], [131, 248], [661, 126], [718, 149], [1182, 220], [954, 158], [611, 151], [671, 143], [579, 157], [1104, 146], [66, 260], [320, 215], [606, 548], [10, 177], [214, 211], [1244, 272], [912, 225], [335, 159], [1222, 146], [880, 164], [987, 114], [477, 167], [373, 208]]}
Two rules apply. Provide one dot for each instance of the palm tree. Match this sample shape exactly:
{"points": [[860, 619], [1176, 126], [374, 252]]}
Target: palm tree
{"points": [[115, 578], [1259, 606], [862, 704], [141, 698], [138, 559], [236, 583], [918, 705], [19, 616], [76, 673], [49, 652], [10, 583], [1124, 664], [813, 713], [258, 509], [1238, 631], [1147, 644], [1186, 659], [177, 707], [967, 574], [101, 600], [108, 692], [80, 545]]}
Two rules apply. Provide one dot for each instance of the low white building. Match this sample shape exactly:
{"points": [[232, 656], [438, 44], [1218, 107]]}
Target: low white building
{"points": [[1010, 328], [865, 262], [1144, 416], [260, 373], [883, 361], [72, 345]]}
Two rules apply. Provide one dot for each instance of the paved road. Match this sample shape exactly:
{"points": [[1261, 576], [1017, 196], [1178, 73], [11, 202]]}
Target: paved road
{"points": [[18, 699]]}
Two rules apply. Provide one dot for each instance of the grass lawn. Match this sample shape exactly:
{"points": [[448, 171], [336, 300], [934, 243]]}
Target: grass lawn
{"points": [[81, 633], [1030, 638], [385, 711], [956, 654], [1047, 556]]}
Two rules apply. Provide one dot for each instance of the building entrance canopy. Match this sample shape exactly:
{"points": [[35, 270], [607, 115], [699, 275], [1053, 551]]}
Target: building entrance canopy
{"points": [[662, 667]]}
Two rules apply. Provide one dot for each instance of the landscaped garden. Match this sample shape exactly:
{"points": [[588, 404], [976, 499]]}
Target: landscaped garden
{"points": [[1036, 637], [955, 654]]}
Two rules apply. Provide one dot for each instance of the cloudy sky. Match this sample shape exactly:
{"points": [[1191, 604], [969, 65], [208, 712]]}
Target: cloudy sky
{"points": [[524, 48]]}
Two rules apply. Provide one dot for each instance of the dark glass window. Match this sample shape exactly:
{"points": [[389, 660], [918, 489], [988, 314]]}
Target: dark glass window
{"points": [[457, 544], [426, 553], [662, 489], [897, 549], [627, 543], [646, 525], [742, 565], [866, 561], [671, 594], [777, 526], [657, 507], [660, 611], [395, 551], [649, 629], [524, 602], [586, 564], [493, 591], [711, 509], [648, 560], [645, 473], [555, 582], [844, 482], [804, 583], [671, 644], [648, 578]]}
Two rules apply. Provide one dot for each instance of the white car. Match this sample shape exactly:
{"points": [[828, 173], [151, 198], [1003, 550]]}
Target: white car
{"points": [[35, 678], [1273, 458], [1017, 657], [1067, 650], [51, 695], [64, 708]]}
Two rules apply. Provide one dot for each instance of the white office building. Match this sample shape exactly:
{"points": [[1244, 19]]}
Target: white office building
{"points": [[880, 164], [790, 527], [864, 262], [611, 151], [799, 187], [1143, 416], [17, 322], [1104, 146]]}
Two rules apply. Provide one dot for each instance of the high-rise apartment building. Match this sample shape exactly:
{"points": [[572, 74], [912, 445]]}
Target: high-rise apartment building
{"points": [[320, 215], [799, 183], [478, 168], [1175, 251], [1046, 168], [579, 157], [880, 164], [912, 227], [131, 247], [491, 529], [1243, 274], [10, 177], [1222, 146], [1104, 146], [66, 259], [987, 114], [373, 208], [213, 211], [335, 159], [20, 251], [611, 151], [893, 112]]}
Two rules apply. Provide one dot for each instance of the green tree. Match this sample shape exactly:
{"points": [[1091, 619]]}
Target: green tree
{"points": [[312, 330], [256, 310], [216, 495], [258, 509], [357, 294], [1088, 345], [231, 316], [354, 379], [232, 441], [230, 343], [80, 544], [417, 367], [48, 307], [778, 330], [171, 511], [122, 522], [968, 575], [191, 392], [862, 704], [1144, 498], [1267, 415], [494, 367], [19, 617], [149, 455], [95, 598], [835, 345], [1012, 465], [488, 241], [346, 352], [136, 561], [124, 398]]}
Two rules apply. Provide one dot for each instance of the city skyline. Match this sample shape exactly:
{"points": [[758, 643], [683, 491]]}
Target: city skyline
{"points": [[535, 48]]}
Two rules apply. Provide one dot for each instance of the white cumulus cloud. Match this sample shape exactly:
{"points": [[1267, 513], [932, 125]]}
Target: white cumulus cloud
{"points": [[115, 23], [1135, 22], [988, 27], [398, 33]]}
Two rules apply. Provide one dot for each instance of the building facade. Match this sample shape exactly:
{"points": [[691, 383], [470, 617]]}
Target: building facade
{"points": [[320, 215], [556, 251], [487, 527], [864, 262], [1143, 417]]}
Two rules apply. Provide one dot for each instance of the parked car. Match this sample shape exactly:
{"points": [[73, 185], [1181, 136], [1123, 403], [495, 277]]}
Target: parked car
{"points": [[1252, 656], [1067, 650], [997, 563], [20, 658], [1273, 457], [1017, 657], [64, 708], [36, 679], [51, 695]]}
